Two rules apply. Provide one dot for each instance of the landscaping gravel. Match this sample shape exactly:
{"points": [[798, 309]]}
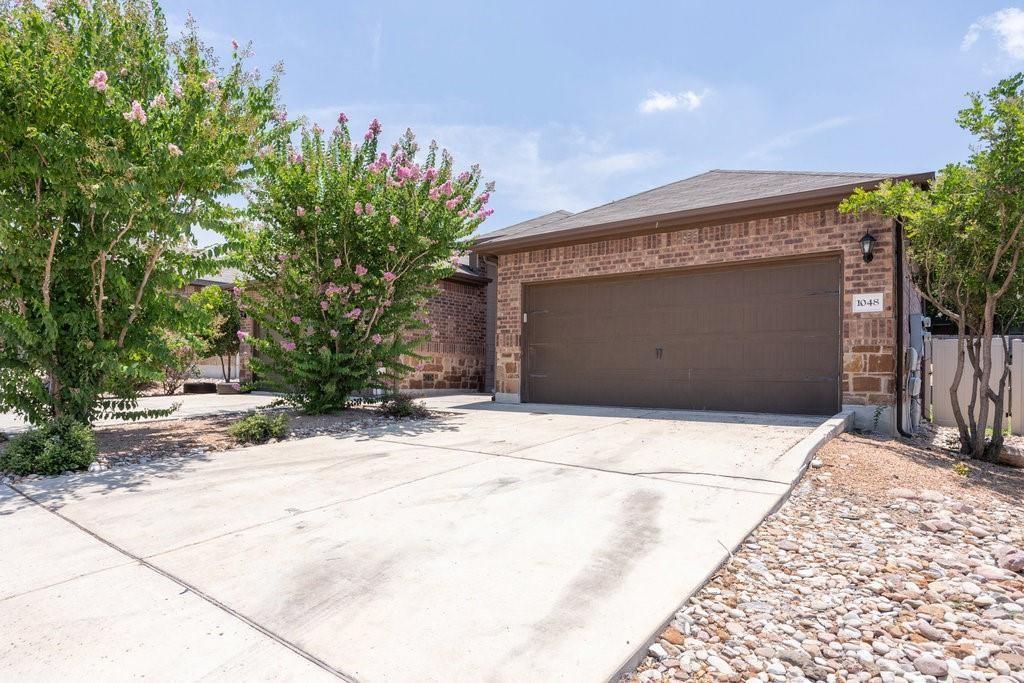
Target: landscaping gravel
{"points": [[884, 565]]}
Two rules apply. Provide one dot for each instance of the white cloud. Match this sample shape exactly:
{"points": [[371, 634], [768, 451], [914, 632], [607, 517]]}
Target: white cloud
{"points": [[657, 101], [1008, 27], [791, 138]]}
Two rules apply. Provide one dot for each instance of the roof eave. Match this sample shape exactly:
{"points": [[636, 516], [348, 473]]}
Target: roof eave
{"points": [[660, 222]]}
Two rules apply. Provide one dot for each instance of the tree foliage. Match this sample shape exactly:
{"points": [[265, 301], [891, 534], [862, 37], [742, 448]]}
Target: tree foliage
{"points": [[115, 144], [965, 233], [350, 244], [222, 319]]}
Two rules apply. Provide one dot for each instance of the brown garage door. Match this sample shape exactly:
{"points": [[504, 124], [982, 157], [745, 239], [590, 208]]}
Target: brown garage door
{"points": [[758, 338]]}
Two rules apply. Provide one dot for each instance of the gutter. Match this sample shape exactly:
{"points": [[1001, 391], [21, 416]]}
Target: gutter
{"points": [[897, 241]]}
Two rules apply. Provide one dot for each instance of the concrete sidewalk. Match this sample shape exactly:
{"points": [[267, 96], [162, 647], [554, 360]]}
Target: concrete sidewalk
{"points": [[188, 405], [502, 543]]}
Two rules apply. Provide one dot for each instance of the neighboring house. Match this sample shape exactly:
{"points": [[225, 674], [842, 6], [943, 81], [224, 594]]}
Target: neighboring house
{"points": [[730, 290], [210, 368]]}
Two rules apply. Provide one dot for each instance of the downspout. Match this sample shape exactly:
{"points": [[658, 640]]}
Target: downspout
{"points": [[897, 241]]}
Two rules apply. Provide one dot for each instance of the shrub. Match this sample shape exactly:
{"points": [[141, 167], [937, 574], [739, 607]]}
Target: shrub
{"points": [[259, 428], [400, 406], [117, 142], [348, 245], [57, 446]]}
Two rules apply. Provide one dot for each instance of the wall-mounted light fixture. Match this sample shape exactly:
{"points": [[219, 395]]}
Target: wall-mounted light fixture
{"points": [[867, 247]]}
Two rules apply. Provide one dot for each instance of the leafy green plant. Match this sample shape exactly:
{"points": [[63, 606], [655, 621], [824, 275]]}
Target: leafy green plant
{"points": [[259, 428], [350, 243], [116, 143], [220, 334], [962, 469], [403, 406], [58, 446]]}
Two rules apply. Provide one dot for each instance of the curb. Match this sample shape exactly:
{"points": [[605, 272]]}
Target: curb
{"points": [[808, 446]]}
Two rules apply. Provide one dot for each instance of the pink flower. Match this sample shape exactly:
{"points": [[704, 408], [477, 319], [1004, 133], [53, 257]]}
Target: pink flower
{"points": [[389, 276], [295, 157], [176, 89], [369, 209], [173, 149], [236, 290], [359, 208], [288, 346], [158, 102], [317, 130], [361, 270], [334, 333], [282, 257], [280, 115], [356, 287], [393, 220], [300, 211], [296, 319], [453, 202], [324, 305], [136, 113], [373, 131], [446, 188], [354, 313], [123, 72], [234, 44], [464, 177], [99, 81], [435, 193], [377, 339], [485, 197], [342, 119], [242, 334], [430, 173], [264, 151], [210, 85], [385, 303], [317, 210], [337, 263]]}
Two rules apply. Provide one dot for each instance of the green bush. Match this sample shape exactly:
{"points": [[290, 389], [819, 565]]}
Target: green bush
{"points": [[400, 405], [56, 447], [259, 428]]}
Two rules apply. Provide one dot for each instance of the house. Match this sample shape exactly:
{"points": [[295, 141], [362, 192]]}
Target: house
{"points": [[454, 358], [730, 290]]}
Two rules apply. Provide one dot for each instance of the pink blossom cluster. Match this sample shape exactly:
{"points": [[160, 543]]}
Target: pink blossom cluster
{"points": [[373, 131], [158, 102], [241, 334], [360, 270], [288, 346], [99, 81], [173, 149], [354, 313], [176, 89], [210, 85], [300, 211], [342, 118], [377, 339], [393, 220], [389, 277], [135, 113]]}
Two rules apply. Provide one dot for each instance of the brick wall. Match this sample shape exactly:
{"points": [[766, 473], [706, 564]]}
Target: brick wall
{"points": [[455, 355], [868, 338]]}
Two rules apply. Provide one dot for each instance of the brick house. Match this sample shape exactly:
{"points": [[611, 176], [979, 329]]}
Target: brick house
{"points": [[455, 357], [730, 290]]}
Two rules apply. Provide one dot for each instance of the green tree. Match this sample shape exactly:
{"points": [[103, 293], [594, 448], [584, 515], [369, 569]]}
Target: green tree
{"points": [[115, 144], [349, 245], [223, 319], [964, 237]]}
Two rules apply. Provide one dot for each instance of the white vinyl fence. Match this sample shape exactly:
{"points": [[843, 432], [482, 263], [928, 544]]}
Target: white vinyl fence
{"points": [[943, 362]]}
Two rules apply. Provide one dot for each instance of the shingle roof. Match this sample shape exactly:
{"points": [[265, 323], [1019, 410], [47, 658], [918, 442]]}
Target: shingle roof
{"points": [[698, 194]]}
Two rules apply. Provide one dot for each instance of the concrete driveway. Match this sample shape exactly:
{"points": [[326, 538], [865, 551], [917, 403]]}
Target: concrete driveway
{"points": [[504, 543]]}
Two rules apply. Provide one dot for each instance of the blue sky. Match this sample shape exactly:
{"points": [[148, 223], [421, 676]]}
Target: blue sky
{"points": [[566, 105]]}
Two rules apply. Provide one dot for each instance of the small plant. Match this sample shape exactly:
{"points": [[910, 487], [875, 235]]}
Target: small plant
{"points": [[246, 387], [876, 417], [259, 428], [402, 406], [57, 446], [962, 469]]}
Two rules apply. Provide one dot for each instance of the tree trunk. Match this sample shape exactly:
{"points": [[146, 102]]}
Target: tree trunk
{"points": [[954, 391], [978, 443]]}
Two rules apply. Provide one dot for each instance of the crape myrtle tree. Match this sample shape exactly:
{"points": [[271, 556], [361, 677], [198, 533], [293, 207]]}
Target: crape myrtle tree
{"points": [[219, 334], [115, 144], [965, 234], [348, 244]]}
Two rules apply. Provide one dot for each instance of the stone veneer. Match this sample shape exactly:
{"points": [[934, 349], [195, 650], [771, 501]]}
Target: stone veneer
{"points": [[868, 338], [455, 353]]}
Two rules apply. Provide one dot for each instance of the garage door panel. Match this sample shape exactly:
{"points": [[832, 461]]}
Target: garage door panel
{"points": [[751, 338]]}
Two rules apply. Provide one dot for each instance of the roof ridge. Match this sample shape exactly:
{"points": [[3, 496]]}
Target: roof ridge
{"points": [[842, 174], [640, 194]]}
